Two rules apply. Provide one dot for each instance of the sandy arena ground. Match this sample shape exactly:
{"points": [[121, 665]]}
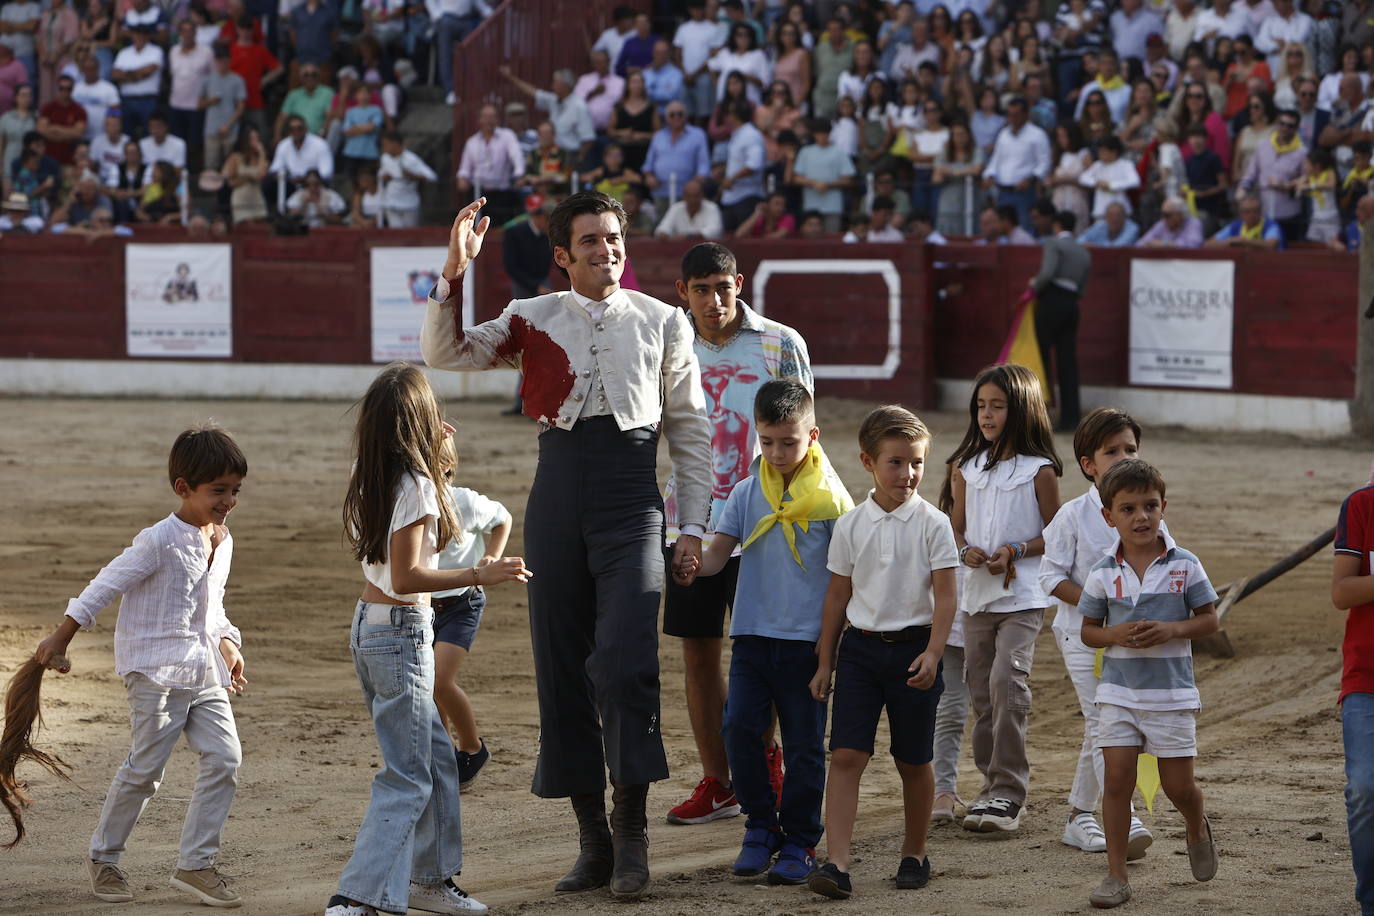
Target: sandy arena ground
{"points": [[80, 478]]}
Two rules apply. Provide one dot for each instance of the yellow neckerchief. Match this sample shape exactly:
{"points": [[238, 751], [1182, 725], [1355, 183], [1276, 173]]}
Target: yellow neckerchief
{"points": [[1115, 82], [1315, 186], [1281, 148], [1190, 198], [812, 500], [1256, 233], [1361, 175]]}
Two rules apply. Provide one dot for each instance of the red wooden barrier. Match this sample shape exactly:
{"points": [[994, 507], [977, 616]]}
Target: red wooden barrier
{"points": [[308, 300]]}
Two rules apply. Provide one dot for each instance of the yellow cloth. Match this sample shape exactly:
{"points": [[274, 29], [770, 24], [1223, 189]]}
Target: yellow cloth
{"points": [[1146, 765], [1316, 185], [816, 497], [1115, 82], [1190, 198], [1023, 348], [1281, 148], [1357, 175], [1255, 232]]}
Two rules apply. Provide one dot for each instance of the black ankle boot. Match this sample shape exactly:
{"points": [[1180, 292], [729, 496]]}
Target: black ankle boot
{"points": [[593, 866], [630, 832]]}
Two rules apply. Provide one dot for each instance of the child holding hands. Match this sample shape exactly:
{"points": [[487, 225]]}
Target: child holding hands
{"points": [[397, 514], [179, 657], [484, 527], [1144, 602], [892, 563], [783, 515]]}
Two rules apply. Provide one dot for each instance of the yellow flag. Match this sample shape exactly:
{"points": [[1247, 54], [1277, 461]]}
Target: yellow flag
{"points": [[1146, 765], [1021, 345]]}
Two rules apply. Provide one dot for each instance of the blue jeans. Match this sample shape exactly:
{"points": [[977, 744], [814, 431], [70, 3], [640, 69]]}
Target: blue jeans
{"points": [[412, 829], [767, 673], [1357, 724], [448, 31], [1021, 200], [136, 110]]}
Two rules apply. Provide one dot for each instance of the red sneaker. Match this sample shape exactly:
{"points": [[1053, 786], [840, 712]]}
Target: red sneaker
{"points": [[711, 801], [773, 753]]}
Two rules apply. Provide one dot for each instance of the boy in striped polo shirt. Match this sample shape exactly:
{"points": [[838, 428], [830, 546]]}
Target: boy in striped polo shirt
{"points": [[1143, 602]]}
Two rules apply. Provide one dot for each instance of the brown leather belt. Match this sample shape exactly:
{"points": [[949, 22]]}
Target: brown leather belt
{"points": [[908, 634]]}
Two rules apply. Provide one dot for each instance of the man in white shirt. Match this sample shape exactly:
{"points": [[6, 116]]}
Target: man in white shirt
{"points": [[190, 64], [95, 95], [693, 217], [1286, 27], [613, 39], [492, 162], [107, 150], [316, 204], [693, 44], [138, 73], [600, 89], [401, 172], [295, 157], [1226, 19], [1131, 25], [572, 122], [910, 55], [160, 145], [1020, 160], [453, 21]]}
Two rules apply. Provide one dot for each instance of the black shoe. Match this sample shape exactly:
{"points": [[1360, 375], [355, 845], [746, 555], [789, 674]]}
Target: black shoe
{"points": [[594, 858], [913, 873], [829, 881], [469, 765]]}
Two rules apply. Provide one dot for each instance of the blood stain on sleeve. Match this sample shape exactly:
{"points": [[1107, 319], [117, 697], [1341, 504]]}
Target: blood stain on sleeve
{"points": [[549, 375]]}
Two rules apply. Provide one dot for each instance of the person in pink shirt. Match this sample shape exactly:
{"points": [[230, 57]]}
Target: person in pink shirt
{"points": [[190, 64], [12, 76], [601, 90]]}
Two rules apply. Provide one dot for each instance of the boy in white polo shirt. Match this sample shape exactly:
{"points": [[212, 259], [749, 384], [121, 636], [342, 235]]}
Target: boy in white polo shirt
{"points": [[892, 562], [1144, 602]]}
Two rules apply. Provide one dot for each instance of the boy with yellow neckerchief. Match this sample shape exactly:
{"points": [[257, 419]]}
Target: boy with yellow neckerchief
{"points": [[783, 515]]}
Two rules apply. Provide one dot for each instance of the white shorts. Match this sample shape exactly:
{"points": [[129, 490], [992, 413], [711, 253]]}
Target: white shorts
{"points": [[1164, 733]]}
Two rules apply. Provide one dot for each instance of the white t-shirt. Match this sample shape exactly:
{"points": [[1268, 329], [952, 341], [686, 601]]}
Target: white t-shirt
{"points": [[416, 498], [314, 211], [697, 40], [172, 149], [131, 59], [889, 557], [401, 192], [477, 517], [108, 155], [189, 71], [96, 98]]}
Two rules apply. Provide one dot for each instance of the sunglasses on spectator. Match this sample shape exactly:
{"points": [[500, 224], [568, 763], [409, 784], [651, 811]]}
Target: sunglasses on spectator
{"points": [[1290, 125]]}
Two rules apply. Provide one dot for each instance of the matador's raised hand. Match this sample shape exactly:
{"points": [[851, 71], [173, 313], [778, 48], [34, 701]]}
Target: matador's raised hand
{"points": [[465, 239]]}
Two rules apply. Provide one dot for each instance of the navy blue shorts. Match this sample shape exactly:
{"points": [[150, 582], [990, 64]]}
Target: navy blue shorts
{"points": [[457, 617], [870, 675], [697, 611]]}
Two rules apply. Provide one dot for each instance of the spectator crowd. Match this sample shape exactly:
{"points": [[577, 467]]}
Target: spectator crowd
{"points": [[1153, 122]]}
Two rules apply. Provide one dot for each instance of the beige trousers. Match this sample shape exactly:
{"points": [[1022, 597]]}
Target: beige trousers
{"points": [[998, 651]]}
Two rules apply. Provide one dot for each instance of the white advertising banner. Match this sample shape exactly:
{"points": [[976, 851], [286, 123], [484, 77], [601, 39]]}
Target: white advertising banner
{"points": [[178, 300], [401, 281], [1182, 314]]}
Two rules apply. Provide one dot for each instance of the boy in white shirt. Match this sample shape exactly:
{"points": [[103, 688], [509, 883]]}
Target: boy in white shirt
{"points": [[179, 657], [892, 562], [401, 172], [1075, 539], [1111, 176]]}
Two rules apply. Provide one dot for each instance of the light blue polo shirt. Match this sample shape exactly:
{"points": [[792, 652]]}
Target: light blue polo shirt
{"points": [[775, 597]]}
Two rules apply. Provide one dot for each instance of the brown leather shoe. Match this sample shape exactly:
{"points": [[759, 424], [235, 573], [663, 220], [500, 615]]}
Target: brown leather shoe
{"points": [[630, 841], [593, 866]]}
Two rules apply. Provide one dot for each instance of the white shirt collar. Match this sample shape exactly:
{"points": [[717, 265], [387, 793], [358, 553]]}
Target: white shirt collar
{"points": [[595, 308], [904, 512], [1115, 550]]}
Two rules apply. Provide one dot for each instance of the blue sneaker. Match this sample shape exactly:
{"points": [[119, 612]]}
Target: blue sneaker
{"points": [[795, 864], [756, 854]]}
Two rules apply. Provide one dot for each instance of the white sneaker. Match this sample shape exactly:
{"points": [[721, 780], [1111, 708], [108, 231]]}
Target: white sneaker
{"points": [[1138, 840], [339, 906], [1083, 832], [443, 898], [450, 99]]}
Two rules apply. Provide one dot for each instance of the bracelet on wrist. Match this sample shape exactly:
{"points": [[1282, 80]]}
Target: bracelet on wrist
{"points": [[963, 550]]}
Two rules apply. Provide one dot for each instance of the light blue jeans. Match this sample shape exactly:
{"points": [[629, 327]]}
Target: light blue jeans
{"points": [[1357, 724], [412, 829], [950, 718]]}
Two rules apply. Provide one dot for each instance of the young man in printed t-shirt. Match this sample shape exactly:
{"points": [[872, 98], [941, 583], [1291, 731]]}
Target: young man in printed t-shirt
{"points": [[738, 350]]}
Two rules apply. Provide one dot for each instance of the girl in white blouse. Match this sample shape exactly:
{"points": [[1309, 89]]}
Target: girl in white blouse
{"points": [[397, 514], [1004, 489]]}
